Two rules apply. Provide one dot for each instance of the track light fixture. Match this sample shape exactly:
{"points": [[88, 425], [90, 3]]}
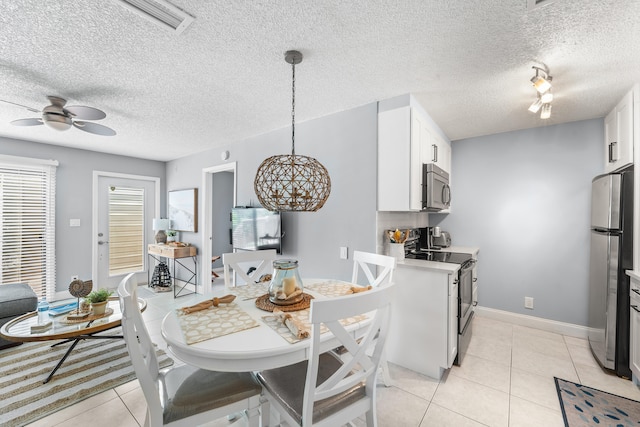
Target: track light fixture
{"points": [[542, 82]]}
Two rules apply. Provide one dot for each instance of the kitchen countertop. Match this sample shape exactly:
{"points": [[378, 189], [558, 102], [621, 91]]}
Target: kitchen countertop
{"points": [[444, 267]]}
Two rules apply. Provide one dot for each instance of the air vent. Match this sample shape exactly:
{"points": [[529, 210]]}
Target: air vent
{"points": [[534, 4], [161, 13]]}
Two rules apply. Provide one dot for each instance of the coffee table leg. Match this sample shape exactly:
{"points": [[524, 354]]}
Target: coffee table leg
{"points": [[75, 342]]}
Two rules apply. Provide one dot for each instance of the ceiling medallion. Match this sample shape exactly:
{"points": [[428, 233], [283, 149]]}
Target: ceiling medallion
{"points": [[292, 182]]}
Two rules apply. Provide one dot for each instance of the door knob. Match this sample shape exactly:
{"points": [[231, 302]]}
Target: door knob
{"points": [[102, 242]]}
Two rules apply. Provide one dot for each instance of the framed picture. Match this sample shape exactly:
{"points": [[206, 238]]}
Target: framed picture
{"points": [[183, 209]]}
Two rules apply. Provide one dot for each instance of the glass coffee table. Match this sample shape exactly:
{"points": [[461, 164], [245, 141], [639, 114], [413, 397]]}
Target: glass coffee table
{"points": [[68, 330]]}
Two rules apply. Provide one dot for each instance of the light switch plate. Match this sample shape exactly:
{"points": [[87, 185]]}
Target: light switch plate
{"points": [[74, 222], [344, 252]]}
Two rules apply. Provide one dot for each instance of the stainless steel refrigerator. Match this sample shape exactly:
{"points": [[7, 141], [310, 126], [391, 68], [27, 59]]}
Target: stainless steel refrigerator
{"points": [[611, 256]]}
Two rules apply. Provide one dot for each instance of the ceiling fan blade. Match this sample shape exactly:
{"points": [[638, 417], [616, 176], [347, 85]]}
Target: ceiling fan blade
{"points": [[20, 105], [94, 128], [86, 113], [27, 122]]}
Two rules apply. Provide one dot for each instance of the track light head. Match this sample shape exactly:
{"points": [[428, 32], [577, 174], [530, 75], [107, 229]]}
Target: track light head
{"points": [[541, 83], [536, 105], [546, 111]]}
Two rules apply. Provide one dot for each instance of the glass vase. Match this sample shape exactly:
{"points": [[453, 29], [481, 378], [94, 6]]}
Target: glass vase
{"points": [[286, 286]]}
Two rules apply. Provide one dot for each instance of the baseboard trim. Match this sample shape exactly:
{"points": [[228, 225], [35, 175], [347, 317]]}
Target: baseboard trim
{"points": [[563, 328]]}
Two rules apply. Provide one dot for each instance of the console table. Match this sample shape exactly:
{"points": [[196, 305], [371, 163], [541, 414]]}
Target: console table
{"points": [[177, 255]]}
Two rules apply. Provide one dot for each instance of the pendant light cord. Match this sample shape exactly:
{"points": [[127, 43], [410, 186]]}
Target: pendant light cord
{"points": [[293, 109]]}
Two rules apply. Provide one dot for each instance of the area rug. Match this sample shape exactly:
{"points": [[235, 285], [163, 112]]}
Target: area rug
{"points": [[92, 367], [586, 406]]}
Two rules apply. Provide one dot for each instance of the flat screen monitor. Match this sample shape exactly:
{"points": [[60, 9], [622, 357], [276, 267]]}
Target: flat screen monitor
{"points": [[254, 229]]}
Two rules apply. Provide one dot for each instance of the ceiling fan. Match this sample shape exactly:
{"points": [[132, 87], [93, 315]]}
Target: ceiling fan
{"points": [[59, 117]]}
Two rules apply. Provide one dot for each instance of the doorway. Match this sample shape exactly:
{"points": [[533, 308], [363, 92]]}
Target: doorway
{"points": [[123, 210], [219, 185]]}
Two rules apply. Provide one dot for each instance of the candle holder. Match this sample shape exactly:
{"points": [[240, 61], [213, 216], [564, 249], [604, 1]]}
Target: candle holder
{"points": [[286, 286]]}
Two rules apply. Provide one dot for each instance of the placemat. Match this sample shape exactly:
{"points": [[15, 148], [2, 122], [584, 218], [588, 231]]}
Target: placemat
{"points": [[107, 312], [331, 289], [214, 322], [250, 291], [302, 316]]}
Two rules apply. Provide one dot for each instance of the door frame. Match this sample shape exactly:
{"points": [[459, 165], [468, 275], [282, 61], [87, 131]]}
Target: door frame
{"points": [[94, 212], [207, 237]]}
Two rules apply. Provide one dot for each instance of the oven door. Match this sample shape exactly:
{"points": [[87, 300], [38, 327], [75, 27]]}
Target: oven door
{"points": [[465, 290]]}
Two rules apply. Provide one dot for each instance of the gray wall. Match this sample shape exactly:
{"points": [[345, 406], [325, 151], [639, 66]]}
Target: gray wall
{"points": [[345, 143], [74, 179], [221, 204], [524, 198]]}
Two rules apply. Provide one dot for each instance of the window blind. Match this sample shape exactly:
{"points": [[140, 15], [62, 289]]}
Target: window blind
{"points": [[126, 230], [27, 224]]}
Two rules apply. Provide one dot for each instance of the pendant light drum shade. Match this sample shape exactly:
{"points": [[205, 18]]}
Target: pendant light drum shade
{"points": [[289, 182], [292, 183]]}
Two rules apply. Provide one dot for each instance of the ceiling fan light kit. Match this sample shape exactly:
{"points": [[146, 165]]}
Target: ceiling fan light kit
{"points": [[542, 84], [292, 183], [57, 116]]}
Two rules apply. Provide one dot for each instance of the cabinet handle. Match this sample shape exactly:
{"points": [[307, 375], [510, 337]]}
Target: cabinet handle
{"points": [[435, 153], [635, 307], [636, 291], [475, 303], [612, 147], [475, 279]]}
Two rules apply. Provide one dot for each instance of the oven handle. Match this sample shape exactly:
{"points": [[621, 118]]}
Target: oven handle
{"points": [[468, 323]]}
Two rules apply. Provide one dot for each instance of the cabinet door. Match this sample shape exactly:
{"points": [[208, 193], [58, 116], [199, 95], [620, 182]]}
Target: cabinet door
{"points": [[634, 357], [452, 348], [624, 113], [610, 141], [417, 138], [618, 134]]}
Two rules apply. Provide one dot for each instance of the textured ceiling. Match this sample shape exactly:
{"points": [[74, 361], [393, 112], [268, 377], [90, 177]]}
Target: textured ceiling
{"points": [[224, 78]]}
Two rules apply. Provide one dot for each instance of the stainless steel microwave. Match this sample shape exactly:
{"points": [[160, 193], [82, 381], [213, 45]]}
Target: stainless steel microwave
{"points": [[436, 193]]}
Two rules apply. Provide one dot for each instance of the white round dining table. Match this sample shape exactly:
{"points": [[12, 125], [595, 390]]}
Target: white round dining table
{"points": [[253, 349]]}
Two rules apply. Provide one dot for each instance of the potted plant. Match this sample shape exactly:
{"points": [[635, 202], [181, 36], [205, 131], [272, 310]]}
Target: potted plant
{"points": [[171, 235], [98, 300]]}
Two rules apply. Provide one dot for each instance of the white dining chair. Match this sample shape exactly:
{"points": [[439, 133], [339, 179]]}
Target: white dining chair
{"points": [[183, 395], [378, 269], [247, 265], [328, 390], [383, 267]]}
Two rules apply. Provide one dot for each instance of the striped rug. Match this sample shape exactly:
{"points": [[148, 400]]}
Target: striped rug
{"points": [[92, 367]]}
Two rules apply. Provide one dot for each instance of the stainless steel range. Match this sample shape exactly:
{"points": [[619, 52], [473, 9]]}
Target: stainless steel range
{"points": [[414, 249]]}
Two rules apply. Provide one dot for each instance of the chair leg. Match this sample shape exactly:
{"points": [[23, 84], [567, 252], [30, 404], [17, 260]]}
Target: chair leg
{"points": [[254, 412], [264, 412], [386, 376]]}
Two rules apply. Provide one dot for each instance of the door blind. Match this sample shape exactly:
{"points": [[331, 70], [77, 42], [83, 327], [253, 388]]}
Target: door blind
{"points": [[126, 230], [27, 224]]}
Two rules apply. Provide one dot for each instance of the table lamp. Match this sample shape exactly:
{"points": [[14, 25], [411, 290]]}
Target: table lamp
{"points": [[160, 225]]}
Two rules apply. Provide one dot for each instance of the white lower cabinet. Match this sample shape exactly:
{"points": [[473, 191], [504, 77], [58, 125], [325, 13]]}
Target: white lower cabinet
{"points": [[634, 344], [423, 335]]}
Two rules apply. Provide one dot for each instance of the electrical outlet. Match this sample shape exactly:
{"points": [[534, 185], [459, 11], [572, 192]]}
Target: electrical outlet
{"points": [[344, 252], [528, 302], [74, 277]]}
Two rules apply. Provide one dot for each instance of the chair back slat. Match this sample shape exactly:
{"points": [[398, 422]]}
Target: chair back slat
{"points": [[238, 263], [359, 366], [383, 267]]}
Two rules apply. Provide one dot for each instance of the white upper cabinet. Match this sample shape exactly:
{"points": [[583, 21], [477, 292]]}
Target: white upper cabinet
{"points": [[618, 134], [406, 140]]}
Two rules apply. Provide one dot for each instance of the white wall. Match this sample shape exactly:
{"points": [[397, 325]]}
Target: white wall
{"points": [[74, 178], [345, 143], [524, 197]]}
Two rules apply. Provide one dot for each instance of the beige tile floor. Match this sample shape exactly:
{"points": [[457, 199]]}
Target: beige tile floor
{"points": [[506, 380]]}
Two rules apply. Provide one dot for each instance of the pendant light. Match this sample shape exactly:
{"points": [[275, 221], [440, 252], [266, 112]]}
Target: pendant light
{"points": [[292, 182]]}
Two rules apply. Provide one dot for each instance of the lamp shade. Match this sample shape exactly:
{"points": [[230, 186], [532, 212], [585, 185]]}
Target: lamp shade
{"points": [[161, 224]]}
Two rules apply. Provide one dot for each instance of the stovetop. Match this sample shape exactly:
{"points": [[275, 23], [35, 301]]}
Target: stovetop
{"points": [[438, 256]]}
